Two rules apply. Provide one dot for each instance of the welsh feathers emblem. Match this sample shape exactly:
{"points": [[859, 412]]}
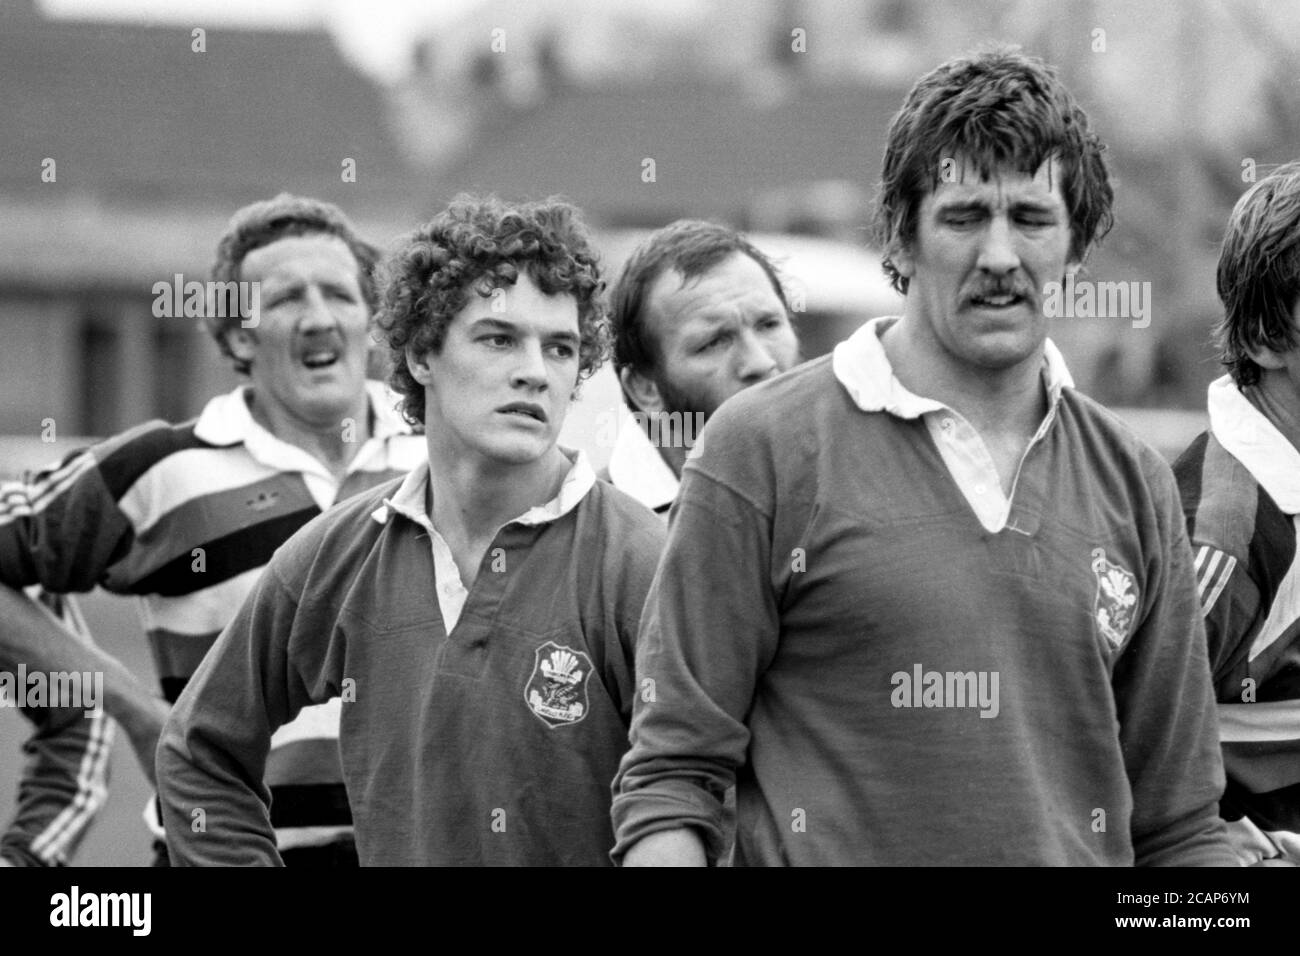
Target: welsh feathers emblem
{"points": [[557, 690], [1116, 600]]}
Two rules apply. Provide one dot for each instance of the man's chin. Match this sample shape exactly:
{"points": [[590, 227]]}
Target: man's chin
{"points": [[515, 452]]}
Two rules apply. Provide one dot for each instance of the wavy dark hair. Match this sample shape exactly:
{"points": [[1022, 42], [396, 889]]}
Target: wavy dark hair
{"points": [[689, 246], [262, 223], [476, 245], [995, 110], [1259, 273]]}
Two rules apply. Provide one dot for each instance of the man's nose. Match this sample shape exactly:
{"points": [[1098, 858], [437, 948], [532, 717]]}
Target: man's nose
{"points": [[997, 251], [316, 313], [530, 369], [753, 360]]}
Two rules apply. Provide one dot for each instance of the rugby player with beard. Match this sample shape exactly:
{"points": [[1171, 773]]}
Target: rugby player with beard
{"points": [[698, 315]]}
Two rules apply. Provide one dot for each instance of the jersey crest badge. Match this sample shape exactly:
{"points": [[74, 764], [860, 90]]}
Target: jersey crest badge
{"points": [[557, 690], [1116, 602]]}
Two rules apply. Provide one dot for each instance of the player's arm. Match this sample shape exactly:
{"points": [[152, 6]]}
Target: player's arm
{"points": [[63, 786], [1165, 705], [681, 847], [213, 751], [708, 632], [30, 634], [64, 528]]}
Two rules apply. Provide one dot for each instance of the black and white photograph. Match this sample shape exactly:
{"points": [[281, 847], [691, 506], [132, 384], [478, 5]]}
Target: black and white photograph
{"points": [[586, 433]]}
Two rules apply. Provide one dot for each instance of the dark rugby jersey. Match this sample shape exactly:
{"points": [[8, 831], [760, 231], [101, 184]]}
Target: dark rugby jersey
{"points": [[889, 682], [494, 744], [1240, 483]]}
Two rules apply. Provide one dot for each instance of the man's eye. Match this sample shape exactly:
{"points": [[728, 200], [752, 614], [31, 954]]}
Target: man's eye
{"points": [[961, 220], [497, 341], [768, 325], [1036, 222], [716, 342], [563, 351]]}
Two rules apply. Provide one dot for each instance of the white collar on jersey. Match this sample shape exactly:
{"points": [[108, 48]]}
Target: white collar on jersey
{"points": [[227, 420], [1248, 436], [636, 467], [863, 368], [410, 497]]}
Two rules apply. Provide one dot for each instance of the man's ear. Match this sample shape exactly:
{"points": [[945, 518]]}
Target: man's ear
{"points": [[1266, 358], [903, 260], [242, 343], [642, 390], [418, 366]]}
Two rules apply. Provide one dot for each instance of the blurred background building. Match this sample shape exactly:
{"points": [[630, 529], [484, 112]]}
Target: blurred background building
{"points": [[770, 115]]}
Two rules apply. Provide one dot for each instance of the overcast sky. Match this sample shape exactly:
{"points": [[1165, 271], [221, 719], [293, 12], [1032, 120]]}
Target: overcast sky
{"points": [[374, 33]]}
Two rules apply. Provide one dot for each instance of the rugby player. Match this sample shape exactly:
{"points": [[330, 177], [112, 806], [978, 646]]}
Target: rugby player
{"points": [[923, 601], [186, 516], [698, 314], [477, 617], [1240, 483]]}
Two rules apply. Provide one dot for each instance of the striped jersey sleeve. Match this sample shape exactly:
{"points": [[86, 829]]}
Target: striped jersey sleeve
{"points": [[1248, 580], [64, 782], [185, 517]]}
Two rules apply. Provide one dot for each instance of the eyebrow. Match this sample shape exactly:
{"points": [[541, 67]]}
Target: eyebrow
{"points": [[980, 205], [501, 325]]}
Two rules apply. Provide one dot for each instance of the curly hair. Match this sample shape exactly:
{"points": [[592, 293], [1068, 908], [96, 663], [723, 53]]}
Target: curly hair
{"points": [[476, 245], [997, 109], [689, 246], [1259, 273], [262, 223]]}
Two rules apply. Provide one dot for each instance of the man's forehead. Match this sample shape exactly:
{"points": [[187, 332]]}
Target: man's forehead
{"points": [[520, 305], [735, 280], [961, 180], [321, 250]]}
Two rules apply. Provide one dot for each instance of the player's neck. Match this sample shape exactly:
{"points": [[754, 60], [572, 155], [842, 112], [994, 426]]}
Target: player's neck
{"points": [[1277, 398], [334, 443], [995, 401], [472, 497]]}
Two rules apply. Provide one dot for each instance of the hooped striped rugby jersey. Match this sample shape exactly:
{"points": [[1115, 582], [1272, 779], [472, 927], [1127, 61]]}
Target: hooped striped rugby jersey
{"points": [[185, 517], [1240, 485]]}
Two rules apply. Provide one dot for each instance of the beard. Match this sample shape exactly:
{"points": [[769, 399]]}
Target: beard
{"points": [[686, 400]]}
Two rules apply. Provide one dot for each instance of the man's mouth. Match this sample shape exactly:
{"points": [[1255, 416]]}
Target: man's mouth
{"points": [[1002, 300], [525, 410], [321, 357]]}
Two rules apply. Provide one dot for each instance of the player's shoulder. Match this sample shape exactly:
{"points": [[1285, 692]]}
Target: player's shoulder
{"points": [[1227, 509], [797, 403], [1108, 441], [346, 530], [124, 458], [792, 396], [622, 517]]}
